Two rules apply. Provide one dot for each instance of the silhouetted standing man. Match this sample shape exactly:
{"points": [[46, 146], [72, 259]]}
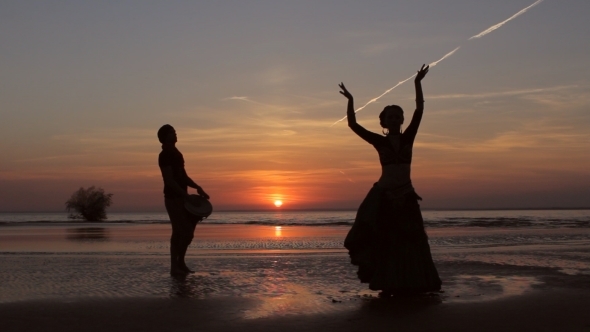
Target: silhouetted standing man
{"points": [[176, 181]]}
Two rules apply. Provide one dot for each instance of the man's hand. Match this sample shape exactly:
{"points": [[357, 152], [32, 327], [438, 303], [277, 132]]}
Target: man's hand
{"points": [[202, 193]]}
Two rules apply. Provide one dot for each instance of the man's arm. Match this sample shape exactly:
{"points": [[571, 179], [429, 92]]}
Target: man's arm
{"points": [[193, 184], [169, 181]]}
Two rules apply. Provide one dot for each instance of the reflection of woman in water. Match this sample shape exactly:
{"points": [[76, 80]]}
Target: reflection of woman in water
{"points": [[387, 240]]}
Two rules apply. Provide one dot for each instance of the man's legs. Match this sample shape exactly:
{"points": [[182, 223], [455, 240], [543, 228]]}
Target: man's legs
{"points": [[188, 235], [182, 234]]}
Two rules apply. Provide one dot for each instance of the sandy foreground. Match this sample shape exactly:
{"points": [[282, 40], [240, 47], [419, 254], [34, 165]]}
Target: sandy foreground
{"points": [[60, 278], [546, 310]]}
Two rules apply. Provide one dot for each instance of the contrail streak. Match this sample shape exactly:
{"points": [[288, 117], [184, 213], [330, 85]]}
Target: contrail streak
{"points": [[494, 27], [398, 84], [444, 57], [481, 34]]}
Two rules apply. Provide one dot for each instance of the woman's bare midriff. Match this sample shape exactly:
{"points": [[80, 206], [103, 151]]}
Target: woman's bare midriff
{"points": [[394, 175]]}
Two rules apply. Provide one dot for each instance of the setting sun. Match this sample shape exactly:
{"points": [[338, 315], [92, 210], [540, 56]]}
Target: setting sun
{"points": [[278, 203]]}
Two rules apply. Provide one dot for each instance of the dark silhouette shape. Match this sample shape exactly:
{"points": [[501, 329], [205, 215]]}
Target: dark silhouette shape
{"points": [[89, 204], [176, 182], [189, 286], [387, 240], [180, 287], [87, 234]]}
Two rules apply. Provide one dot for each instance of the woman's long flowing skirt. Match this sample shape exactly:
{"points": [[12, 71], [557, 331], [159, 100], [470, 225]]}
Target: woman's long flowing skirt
{"points": [[389, 245]]}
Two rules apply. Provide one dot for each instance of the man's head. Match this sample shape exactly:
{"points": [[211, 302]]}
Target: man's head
{"points": [[167, 134]]}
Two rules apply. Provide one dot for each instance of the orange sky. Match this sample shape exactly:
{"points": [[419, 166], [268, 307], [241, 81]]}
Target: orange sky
{"points": [[252, 91]]}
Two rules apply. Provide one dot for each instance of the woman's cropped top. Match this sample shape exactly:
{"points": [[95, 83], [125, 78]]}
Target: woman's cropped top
{"points": [[387, 153]]}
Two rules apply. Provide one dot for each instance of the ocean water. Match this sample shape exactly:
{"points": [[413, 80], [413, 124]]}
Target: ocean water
{"points": [[277, 257], [432, 219], [141, 233]]}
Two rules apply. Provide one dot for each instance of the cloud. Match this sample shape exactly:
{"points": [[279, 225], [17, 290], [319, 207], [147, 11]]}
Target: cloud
{"points": [[376, 49], [277, 74], [502, 93], [244, 98], [534, 137], [432, 64]]}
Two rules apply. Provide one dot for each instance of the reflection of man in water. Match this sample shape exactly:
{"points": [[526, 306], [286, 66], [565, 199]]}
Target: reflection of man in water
{"points": [[176, 181]]}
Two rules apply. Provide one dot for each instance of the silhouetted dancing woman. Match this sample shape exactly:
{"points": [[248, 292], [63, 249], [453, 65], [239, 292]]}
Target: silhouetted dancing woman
{"points": [[387, 240]]}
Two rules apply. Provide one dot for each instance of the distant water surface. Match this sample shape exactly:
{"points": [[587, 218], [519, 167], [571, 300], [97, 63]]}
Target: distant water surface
{"points": [[432, 219], [278, 256]]}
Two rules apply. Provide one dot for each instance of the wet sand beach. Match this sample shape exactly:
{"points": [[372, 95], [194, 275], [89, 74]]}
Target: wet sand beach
{"points": [[114, 277], [550, 310]]}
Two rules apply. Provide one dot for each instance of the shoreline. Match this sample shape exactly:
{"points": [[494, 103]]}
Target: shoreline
{"points": [[116, 277], [559, 310], [550, 309]]}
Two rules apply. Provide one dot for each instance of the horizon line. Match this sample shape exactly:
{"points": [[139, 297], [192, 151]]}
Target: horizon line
{"points": [[340, 209]]}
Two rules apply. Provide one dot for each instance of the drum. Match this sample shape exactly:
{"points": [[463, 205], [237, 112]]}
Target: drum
{"points": [[197, 205]]}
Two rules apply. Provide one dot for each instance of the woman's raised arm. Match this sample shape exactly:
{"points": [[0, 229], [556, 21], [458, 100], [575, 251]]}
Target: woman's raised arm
{"points": [[350, 115], [418, 84], [412, 129]]}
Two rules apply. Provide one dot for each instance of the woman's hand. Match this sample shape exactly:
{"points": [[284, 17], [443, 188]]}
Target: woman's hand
{"points": [[345, 92], [421, 73]]}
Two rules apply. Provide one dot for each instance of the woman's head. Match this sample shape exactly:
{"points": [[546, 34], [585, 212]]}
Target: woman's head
{"points": [[391, 117]]}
